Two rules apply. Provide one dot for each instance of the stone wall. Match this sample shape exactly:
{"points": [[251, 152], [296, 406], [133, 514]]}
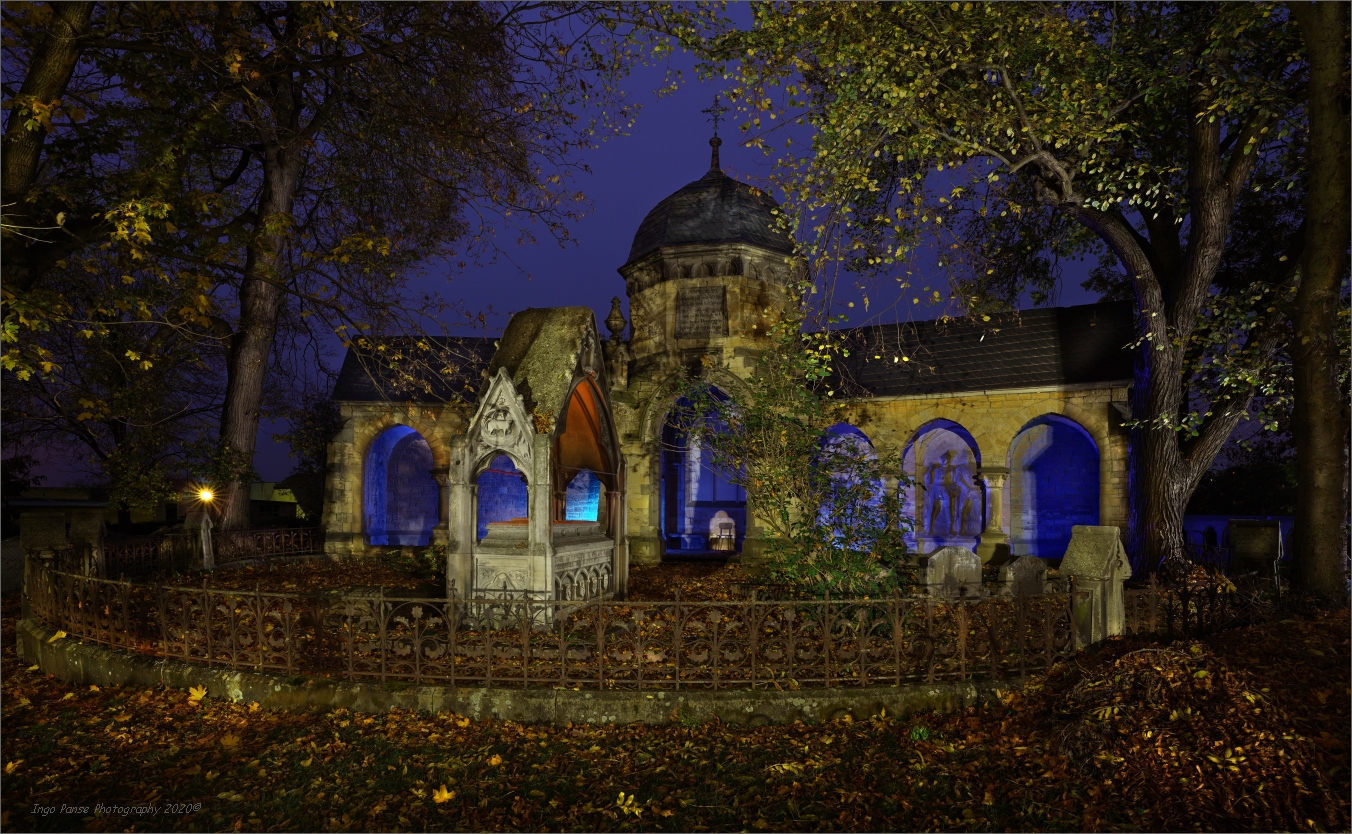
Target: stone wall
{"points": [[363, 423]]}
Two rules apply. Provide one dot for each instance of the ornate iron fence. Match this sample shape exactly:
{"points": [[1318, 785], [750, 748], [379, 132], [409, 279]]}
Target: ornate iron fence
{"points": [[149, 554], [535, 643], [243, 545], [1184, 610]]}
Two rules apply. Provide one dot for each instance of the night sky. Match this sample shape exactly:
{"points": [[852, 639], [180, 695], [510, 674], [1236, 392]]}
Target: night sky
{"points": [[666, 149]]}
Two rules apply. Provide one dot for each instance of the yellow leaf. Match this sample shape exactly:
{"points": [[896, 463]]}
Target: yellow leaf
{"points": [[462, 723], [255, 707], [441, 795], [34, 668], [197, 693], [13, 766], [56, 636], [306, 762], [494, 760], [93, 688], [68, 696], [22, 702], [229, 741]]}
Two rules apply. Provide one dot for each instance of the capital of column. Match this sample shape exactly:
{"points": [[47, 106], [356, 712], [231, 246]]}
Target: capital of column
{"points": [[994, 476]]}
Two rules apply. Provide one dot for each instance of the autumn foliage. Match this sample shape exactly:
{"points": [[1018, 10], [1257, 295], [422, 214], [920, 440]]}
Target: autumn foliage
{"points": [[1246, 730]]}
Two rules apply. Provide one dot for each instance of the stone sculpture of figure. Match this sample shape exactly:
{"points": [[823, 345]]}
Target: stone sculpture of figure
{"points": [[943, 493]]}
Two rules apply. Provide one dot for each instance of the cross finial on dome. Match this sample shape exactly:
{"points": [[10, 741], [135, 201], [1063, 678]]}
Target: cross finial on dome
{"points": [[715, 114]]}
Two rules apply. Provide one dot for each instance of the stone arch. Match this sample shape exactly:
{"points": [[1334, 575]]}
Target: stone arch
{"points": [[400, 498], [500, 494], [850, 518], [587, 442], [694, 496], [1054, 484], [372, 429], [945, 498], [704, 270]]}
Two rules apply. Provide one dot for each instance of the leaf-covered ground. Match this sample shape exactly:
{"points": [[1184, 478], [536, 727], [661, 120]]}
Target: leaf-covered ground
{"points": [[1247, 730]]}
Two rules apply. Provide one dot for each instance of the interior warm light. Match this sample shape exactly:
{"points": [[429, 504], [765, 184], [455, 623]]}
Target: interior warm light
{"points": [[205, 495]]}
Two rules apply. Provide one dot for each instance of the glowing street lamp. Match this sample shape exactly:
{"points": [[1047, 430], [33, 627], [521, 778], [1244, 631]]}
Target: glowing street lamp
{"points": [[204, 495]]}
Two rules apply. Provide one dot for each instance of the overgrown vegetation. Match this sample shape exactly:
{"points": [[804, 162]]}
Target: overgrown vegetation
{"points": [[829, 503]]}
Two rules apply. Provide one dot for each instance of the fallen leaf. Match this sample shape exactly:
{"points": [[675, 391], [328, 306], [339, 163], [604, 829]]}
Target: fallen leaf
{"points": [[13, 766], [197, 693], [34, 668], [93, 688], [56, 636], [441, 795], [229, 741], [494, 760], [68, 696]]}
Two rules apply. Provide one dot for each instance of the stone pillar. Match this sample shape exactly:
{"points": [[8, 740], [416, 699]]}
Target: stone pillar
{"points": [[994, 541], [441, 534], [617, 519], [200, 520], [460, 521], [540, 492]]}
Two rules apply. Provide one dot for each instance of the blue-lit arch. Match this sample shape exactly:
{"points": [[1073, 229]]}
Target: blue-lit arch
{"points": [[698, 502], [399, 496], [500, 493], [1054, 485]]}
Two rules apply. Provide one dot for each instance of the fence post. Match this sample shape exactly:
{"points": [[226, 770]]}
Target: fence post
{"points": [[676, 627]]}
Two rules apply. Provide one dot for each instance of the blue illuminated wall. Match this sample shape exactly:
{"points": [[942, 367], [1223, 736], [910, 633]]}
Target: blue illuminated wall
{"points": [[1054, 484], [502, 494], [400, 495], [694, 493], [844, 441], [582, 500], [945, 498]]}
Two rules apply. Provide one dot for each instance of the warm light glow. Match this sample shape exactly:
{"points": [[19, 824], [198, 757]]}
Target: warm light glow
{"points": [[205, 495]]}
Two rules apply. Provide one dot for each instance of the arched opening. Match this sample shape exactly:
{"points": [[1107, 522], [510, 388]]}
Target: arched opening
{"points": [[582, 498], [853, 508], [585, 476], [399, 491], [945, 499], [1054, 485], [698, 502], [501, 495]]}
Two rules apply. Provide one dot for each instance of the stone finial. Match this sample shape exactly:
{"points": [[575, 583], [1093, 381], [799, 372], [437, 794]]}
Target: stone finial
{"points": [[615, 322]]}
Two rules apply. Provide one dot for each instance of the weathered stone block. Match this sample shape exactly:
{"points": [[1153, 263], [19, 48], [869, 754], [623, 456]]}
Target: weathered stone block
{"points": [[951, 572]]}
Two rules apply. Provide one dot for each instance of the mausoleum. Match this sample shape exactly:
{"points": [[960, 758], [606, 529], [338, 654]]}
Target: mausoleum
{"points": [[560, 466]]}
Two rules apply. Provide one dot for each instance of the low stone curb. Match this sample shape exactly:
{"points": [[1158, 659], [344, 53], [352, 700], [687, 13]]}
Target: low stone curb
{"points": [[84, 663]]}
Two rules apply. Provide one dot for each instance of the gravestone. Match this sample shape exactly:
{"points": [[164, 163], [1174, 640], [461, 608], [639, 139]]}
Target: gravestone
{"points": [[951, 572], [1026, 576], [1098, 563], [1255, 542]]}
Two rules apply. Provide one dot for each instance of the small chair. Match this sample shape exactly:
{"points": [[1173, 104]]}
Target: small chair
{"points": [[726, 540]]}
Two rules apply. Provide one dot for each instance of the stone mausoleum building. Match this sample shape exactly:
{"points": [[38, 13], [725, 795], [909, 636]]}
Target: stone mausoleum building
{"points": [[563, 469]]}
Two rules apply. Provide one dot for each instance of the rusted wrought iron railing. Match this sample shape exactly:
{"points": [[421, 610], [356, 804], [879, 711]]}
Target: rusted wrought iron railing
{"points": [[1182, 610], [276, 543], [599, 644], [149, 554]]}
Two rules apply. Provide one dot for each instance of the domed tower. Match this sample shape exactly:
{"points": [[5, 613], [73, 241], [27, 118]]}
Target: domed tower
{"points": [[707, 275]]}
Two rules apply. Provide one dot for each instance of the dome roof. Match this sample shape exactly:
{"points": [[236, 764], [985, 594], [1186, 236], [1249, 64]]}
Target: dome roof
{"points": [[713, 209]]}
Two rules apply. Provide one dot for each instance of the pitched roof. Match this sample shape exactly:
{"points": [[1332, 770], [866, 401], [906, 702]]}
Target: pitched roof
{"points": [[367, 378], [1078, 345]]}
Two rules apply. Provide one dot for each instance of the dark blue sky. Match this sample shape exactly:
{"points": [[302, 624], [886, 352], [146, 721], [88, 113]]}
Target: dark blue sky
{"points": [[666, 148]]}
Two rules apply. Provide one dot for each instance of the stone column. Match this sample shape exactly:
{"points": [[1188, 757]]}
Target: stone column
{"points": [[540, 526], [460, 521], [441, 534], [994, 541]]}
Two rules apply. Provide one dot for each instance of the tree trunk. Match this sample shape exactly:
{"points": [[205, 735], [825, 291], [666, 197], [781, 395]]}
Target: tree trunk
{"points": [[1320, 420], [260, 300], [52, 64]]}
